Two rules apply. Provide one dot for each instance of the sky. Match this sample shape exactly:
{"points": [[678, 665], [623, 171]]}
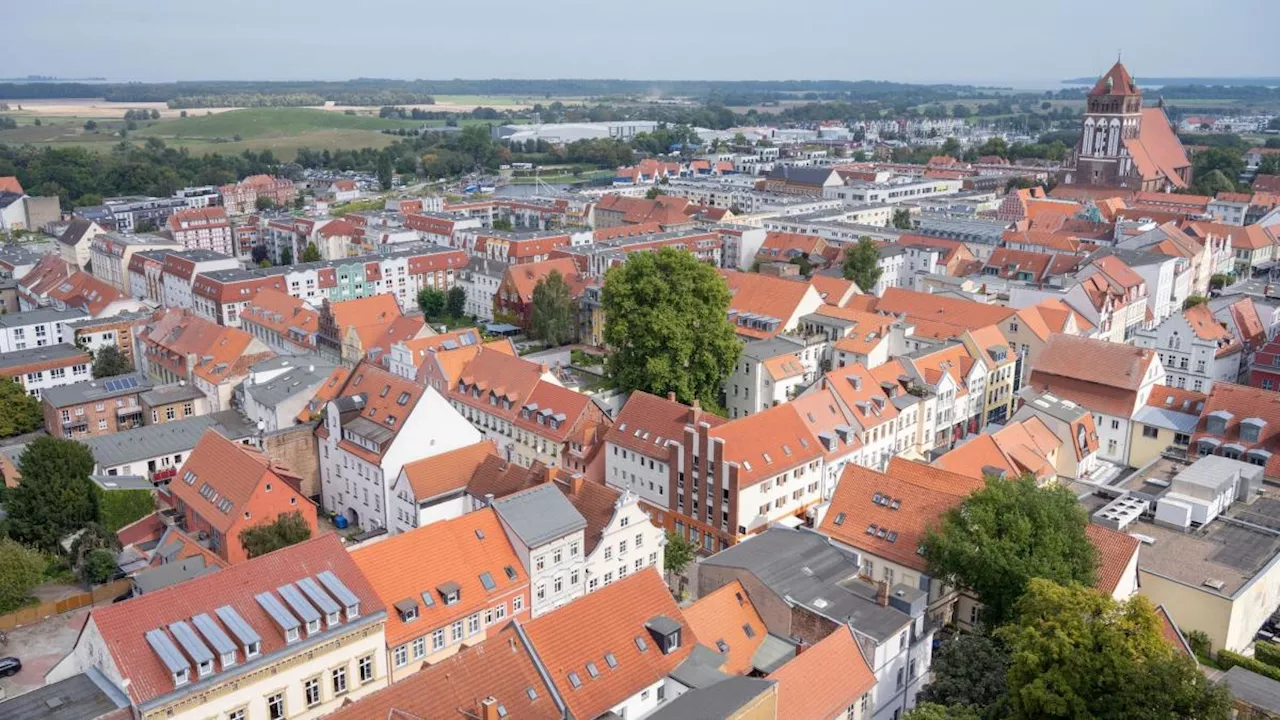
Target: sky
{"points": [[983, 41]]}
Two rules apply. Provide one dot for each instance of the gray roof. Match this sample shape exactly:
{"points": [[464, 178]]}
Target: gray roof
{"points": [[701, 669], [809, 571], [108, 319], [75, 231], [719, 701], [804, 175], [1055, 407], [1257, 690], [540, 514], [772, 653], [31, 356], [1216, 472], [169, 438], [306, 373], [172, 573], [91, 390], [1167, 419], [40, 315], [85, 696], [167, 394]]}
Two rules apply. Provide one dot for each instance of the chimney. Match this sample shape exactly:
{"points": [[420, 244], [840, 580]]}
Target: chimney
{"points": [[882, 593], [800, 644], [671, 396], [489, 708], [575, 483], [488, 499]]}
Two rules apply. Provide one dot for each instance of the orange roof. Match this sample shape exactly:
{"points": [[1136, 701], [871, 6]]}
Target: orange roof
{"points": [[608, 621], [963, 314], [373, 310], [602, 234], [783, 367], [1156, 150], [86, 292], [825, 680], [834, 290], [283, 313], [1242, 402], [725, 616], [197, 218], [221, 353], [767, 443], [388, 401], [763, 295], [328, 390], [922, 494], [522, 279], [784, 245], [189, 547], [9, 183], [1207, 327], [647, 421], [1017, 448], [233, 472], [456, 551], [447, 472], [1116, 81], [1115, 551], [1099, 375], [1056, 312], [1248, 237]]}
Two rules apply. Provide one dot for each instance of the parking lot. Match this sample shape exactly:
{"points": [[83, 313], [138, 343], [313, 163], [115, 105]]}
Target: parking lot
{"points": [[40, 646]]}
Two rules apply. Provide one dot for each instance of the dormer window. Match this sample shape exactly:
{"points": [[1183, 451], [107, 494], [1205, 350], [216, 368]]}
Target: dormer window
{"points": [[332, 619], [313, 627], [181, 677], [228, 659], [206, 668], [291, 635], [252, 650], [353, 612]]}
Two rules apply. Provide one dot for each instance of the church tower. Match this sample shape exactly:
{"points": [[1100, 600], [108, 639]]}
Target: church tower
{"points": [[1113, 114]]}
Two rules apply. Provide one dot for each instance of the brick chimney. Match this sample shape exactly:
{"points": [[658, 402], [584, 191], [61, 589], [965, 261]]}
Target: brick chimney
{"points": [[575, 483], [671, 396], [489, 708], [882, 593]]}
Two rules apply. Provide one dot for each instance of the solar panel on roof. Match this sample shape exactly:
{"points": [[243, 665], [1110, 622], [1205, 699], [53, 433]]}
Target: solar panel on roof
{"points": [[187, 638], [339, 591], [318, 597], [238, 627], [167, 651], [278, 613], [449, 345], [220, 641], [301, 607]]}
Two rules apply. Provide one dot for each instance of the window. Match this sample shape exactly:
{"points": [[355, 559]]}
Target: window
{"points": [[540, 563], [1181, 439], [1149, 431], [275, 706], [401, 656], [1115, 424], [169, 413], [339, 680], [365, 668], [237, 714], [542, 592], [311, 691], [473, 624], [188, 410], [419, 648], [517, 603], [437, 640], [455, 632]]}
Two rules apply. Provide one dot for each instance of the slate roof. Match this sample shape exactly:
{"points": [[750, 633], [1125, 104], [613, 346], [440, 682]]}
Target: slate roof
{"points": [[95, 390], [539, 515], [86, 696], [151, 441]]}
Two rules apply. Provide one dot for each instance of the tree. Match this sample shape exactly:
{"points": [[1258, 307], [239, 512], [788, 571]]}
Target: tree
{"points": [[551, 315], [1004, 535], [146, 225], [666, 317], [287, 529], [1270, 164], [259, 253], [99, 566], [654, 192], [503, 224], [286, 256], [109, 362], [386, 173], [264, 203], [902, 219], [934, 711], [19, 412], [678, 553], [1194, 300], [1077, 653], [94, 538], [1219, 281], [862, 264], [90, 125], [55, 497], [1213, 182], [21, 569], [968, 672], [431, 302], [310, 253], [455, 301], [121, 507]]}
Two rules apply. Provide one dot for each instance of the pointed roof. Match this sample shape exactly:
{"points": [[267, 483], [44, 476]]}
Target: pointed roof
{"points": [[1117, 81]]}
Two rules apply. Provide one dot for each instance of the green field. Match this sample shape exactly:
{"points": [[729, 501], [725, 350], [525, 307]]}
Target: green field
{"points": [[281, 130]]}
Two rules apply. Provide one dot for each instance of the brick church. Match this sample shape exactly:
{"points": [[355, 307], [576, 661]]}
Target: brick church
{"points": [[1124, 145]]}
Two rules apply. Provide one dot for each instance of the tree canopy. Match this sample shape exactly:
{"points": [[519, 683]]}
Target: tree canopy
{"points": [[1077, 653], [109, 361], [431, 302], [551, 317], [55, 496], [666, 320], [1004, 535], [677, 554], [311, 253], [21, 569], [968, 672], [455, 301], [19, 412], [287, 529], [862, 264]]}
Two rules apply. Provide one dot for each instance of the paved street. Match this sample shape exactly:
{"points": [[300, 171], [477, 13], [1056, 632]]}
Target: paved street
{"points": [[40, 647]]}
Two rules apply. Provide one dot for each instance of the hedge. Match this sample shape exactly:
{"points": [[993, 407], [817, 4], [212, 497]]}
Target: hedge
{"points": [[1228, 659]]}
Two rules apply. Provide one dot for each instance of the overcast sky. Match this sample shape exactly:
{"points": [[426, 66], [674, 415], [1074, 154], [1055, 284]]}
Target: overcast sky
{"points": [[989, 41]]}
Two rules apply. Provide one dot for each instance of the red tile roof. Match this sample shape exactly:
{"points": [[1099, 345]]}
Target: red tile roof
{"points": [[233, 472], [124, 625], [1115, 551], [9, 183], [767, 443], [522, 279], [1116, 81], [220, 353], [825, 680], [449, 551], [724, 616], [447, 472], [647, 422], [383, 393], [608, 621], [1243, 402]]}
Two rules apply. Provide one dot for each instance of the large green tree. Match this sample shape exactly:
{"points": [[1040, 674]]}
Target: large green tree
{"points": [[431, 302], [936, 711], [902, 219], [678, 553], [55, 496], [109, 362], [862, 264], [21, 569], [19, 412], [455, 301], [1076, 653], [287, 529], [1004, 535], [968, 672], [311, 253], [551, 315], [666, 320]]}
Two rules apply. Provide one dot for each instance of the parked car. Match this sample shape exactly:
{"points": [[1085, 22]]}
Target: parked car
{"points": [[9, 666]]}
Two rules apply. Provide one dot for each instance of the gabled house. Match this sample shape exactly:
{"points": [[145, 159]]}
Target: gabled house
{"points": [[1196, 349], [1074, 428], [76, 242], [376, 423], [225, 488], [465, 583], [1019, 448], [547, 532], [1241, 423], [761, 306]]}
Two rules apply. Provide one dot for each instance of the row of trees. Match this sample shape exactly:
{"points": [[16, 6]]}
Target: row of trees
{"points": [[1049, 645]]}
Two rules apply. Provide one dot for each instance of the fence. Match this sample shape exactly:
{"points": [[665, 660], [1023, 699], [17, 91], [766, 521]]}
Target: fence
{"points": [[36, 613]]}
